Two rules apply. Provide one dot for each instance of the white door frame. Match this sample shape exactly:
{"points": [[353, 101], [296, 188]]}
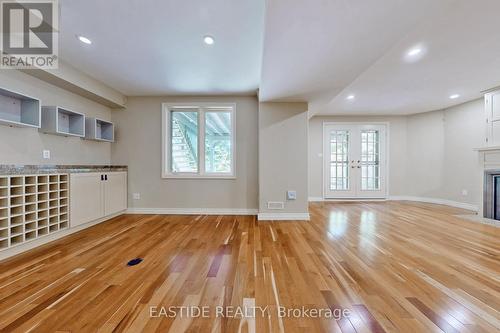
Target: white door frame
{"points": [[387, 155]]}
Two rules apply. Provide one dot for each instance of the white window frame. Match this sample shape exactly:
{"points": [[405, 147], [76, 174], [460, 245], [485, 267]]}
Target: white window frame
{"points": [[166, 145]]}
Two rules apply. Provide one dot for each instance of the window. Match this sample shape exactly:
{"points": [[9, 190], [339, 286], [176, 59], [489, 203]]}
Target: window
{"points": [[370, 160], [339, 165], [198, 140]]}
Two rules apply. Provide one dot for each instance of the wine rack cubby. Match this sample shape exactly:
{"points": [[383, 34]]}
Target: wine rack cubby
{"points": [[32, 206]]}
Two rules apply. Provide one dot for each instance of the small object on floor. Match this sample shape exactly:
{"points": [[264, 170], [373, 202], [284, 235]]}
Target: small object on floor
{"points": [[134, 262]]}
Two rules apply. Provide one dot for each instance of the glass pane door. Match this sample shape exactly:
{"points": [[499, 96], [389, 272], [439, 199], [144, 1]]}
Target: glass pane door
{"points": [[339, 160], [354, 160], [371, 167], [370, 160]]}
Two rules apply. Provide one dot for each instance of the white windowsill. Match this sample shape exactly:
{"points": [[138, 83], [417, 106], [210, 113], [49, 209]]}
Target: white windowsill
{"points": [[172, 176]]}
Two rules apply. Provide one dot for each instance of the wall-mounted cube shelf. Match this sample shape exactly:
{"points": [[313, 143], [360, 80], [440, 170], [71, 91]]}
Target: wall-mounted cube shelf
{"points": [[99, 130], [60, 121], [19, 110]]}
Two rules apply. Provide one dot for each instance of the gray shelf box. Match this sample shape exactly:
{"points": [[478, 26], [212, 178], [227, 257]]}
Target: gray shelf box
{"points": [[99, 130], [62, 121], [19, 110]]}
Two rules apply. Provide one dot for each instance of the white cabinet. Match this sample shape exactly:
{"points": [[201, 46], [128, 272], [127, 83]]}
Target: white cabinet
{"points": [[96, 195], [86, 198], [115, 192], [492, 104]]}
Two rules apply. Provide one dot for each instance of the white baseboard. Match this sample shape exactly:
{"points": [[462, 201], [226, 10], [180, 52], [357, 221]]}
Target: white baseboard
{"points": [[15, 250], [409, 198], [318, 199], [283, 217], [436, 201], [193, 211], [221, 211]]}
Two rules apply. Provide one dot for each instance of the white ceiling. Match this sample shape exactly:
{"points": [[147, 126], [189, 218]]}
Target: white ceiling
{"points": [[319, 51], [156, 47], [323, 51]]}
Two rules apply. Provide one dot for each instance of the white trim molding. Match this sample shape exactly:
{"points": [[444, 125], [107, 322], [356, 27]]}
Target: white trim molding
{"points": [[283, 217], [407, 198], [437, 201], [319, 199], [193, 211]]}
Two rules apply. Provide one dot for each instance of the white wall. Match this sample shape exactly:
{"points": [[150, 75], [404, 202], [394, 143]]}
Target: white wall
{"points": [[430, 154], [139, 146], [441, 159], [396, 144], [283, 145], [425, 154], [25, 145]]}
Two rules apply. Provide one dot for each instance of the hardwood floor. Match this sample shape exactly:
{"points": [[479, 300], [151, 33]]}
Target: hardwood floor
{"points": [[393, 266]]}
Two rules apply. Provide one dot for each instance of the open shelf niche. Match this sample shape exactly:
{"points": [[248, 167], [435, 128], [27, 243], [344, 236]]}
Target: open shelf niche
{"points": [[32, 206], [61, 121], [99, 130], [19, 110]]}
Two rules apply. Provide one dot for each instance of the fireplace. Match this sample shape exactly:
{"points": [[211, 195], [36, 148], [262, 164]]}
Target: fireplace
{"points": [[491, 195]]}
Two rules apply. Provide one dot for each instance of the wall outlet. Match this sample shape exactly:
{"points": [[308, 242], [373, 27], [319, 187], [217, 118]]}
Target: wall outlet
{"points": [[465, 193], [136, 196], [291, 195], [46, 154]]}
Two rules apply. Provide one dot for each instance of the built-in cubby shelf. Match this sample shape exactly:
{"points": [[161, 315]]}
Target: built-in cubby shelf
{"points": [[99, 130], [61, 121], [19, 110], [32, 206]]}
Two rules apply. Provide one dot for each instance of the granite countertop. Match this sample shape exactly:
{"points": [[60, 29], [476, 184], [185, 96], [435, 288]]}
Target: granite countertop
{"points": [[14, 169]]}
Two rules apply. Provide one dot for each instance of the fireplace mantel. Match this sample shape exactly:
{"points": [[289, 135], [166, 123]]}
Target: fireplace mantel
{"points": [[486, 149]]}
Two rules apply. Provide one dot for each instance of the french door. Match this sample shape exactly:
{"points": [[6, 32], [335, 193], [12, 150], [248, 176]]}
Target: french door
{"points": [[354, 158]]}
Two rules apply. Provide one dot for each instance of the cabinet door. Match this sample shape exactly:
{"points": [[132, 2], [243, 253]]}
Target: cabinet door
{"points": [[115, 193], [86, 198]]}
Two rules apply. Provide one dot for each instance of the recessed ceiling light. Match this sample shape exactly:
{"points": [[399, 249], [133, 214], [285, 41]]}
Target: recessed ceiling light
{"points": [[209, 40], [454, 96], [84, 39], [414, 52], [350, 97]]}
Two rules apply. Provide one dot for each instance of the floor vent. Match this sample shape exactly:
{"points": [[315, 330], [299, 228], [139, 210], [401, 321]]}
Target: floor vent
{"points": [[275, 205], [134, 262]]}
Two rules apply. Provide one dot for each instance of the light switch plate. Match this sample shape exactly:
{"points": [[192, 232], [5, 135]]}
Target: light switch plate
{"points": [[46, 154], [291, 195]]}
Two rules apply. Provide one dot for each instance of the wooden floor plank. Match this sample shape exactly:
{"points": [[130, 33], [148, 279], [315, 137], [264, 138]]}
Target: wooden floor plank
{"points": [[394, 266]]}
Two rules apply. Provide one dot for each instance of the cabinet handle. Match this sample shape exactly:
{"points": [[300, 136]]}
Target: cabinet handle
{"points": [[105, 177], [102, 177]]}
